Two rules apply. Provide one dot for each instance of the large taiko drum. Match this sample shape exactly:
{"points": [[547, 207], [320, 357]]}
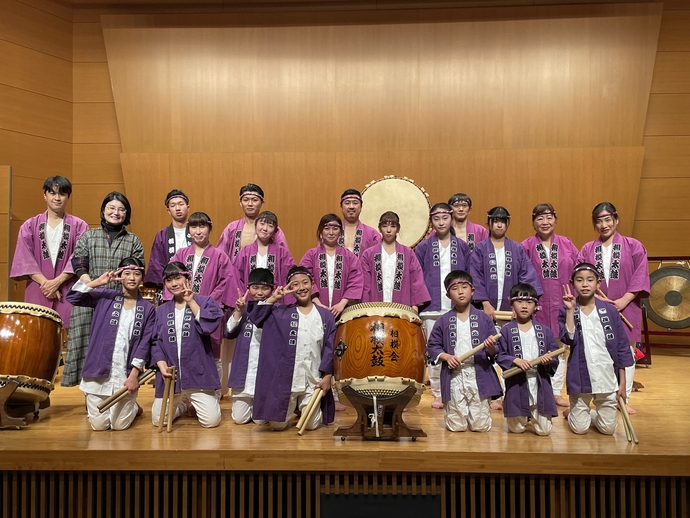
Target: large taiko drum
{"points": [[379, 339], [404, 197], [30, 346]]}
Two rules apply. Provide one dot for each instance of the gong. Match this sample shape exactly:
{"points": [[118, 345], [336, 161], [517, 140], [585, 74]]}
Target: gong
{"points": [[668, 304]]}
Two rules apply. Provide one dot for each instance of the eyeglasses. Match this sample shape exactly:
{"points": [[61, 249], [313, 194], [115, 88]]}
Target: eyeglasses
{"points": [[119, 210]]}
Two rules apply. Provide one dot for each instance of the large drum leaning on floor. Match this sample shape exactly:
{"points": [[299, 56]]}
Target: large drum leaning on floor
{"points": [[30, 346], [379, 339]]}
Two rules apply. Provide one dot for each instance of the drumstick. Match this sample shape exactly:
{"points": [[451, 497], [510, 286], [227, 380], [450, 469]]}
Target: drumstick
{"points": [[503, 315], [307, 409], [627, 422], [474, 351], [509, 373], [164, 405], [317, 397], [171, 398], [122, 393], [625, 320]]}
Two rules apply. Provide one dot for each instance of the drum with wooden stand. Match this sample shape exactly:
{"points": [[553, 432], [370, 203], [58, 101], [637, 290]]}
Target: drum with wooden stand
{"points": [[404, 197], [380, 351], [30, 348]]}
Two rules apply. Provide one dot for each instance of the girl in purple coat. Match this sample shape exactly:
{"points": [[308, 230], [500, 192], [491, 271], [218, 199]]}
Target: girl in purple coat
{"points": [[183, 338], [528, 395], [119, 344]]}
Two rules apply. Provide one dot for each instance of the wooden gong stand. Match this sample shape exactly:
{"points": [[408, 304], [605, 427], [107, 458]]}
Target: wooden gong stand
{"points": [[390, 422], [12, 416]]}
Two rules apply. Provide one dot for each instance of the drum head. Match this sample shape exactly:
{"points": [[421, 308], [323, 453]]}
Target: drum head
{"points": [[406, 199], [668, 304]]}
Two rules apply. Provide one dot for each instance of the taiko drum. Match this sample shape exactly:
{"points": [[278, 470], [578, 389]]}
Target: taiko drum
{"points": [[379, 339], [30, 346]]}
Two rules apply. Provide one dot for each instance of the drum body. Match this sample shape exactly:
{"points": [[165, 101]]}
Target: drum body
{"points": [[379, 339], [30, 347], [401, 195]]}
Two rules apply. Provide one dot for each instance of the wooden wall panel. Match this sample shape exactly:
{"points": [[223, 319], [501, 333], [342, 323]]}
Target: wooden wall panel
{"points": [[35, 157], [35, 71], [27, 197], [35, 29], [664, 199], [663, 238], [301, 187], [5, 181], [671, 73], [95, 123], [668, 114], [673, 34], [666, 156], [35, 114], [15, 288], [344, 88], [89, 46], [96, 163], [92, 83]]}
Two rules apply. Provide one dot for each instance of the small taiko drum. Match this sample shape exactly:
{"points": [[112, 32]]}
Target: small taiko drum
{"points": [[30, 347], [379, 339]]}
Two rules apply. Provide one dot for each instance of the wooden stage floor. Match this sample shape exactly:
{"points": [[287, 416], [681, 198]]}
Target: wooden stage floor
{"points": [[61, 439]]}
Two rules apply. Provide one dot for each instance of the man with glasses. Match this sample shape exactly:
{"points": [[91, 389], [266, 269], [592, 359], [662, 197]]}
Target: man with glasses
{"points": [[44, 249], [469, 232]]}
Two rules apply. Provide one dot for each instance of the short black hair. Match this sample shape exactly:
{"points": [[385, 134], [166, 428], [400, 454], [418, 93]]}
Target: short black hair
{"points": [[585, 267], [176, 193], [200, 219], [117, 196], [57, 183], [175, 268], [131, 261], [251, 187], [460, 196], [604, 206], [497, 213], [260, 276], [522, 289], [268, 217], [456, 275], [325, 220], [296, 270]]}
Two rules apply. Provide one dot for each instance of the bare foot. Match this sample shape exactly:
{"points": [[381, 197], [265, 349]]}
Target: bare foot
{"points": [[191, 412], [560, 401], [139, 410], [566, 412], [339, 407], [437, 403], [631, 410], [496, 404]]}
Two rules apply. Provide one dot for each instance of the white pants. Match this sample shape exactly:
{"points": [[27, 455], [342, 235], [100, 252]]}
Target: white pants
{"points": [[604, 416], [542, 423], [227, 349], [117, 417], [242, 407], [433, 371], [301, 399], [205, 403], [559, 376], [466, 409]]}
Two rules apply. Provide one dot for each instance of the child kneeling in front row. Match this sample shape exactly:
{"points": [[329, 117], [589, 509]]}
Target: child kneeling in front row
{"points": [[183, 327], [119, 343], [529, 396], [468, 387], [599, 354], [245, 359], [296, 354]]}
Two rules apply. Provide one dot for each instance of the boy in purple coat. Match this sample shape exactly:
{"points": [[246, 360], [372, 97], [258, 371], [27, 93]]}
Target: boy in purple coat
{"points": [[119, 343], [438, 255], [245, 359], [296, 354], [467, 387], [183, 338], [529, 396], [622, 265], [469, 232], [43, 256], [599, 354]]}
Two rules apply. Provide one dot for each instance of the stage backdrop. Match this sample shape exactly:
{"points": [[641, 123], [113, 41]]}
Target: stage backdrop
{"points": [[513, 106]]}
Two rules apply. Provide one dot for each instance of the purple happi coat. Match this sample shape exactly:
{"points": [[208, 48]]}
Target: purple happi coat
{"points": [[31, 256], [475, 234], [162, 251], [629, 274], [408, 285], [196, 366], [428, 254], [107, 306], [365, 237], [277, 359], [617, 344], [516, 400], [483, 270], [231, 238], [215, 276], [553, 271], [279, 261], [442, 340], [243, 332], [348, 279]]}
